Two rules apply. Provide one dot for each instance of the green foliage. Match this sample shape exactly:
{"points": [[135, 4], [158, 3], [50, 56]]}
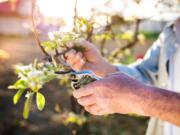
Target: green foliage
{"points": [[32, 77], [76, 119], [40, 101], [27, 104], [19, 85], [150, 35], [48, 45], [106, 36], [18, 95], [59, 40], [84, 27]]}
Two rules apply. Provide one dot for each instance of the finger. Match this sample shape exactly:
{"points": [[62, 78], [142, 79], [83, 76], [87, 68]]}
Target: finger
{"points": [[70, 53], [70, 61], [94, 109], [79, 55], [71, 57], [83, 92], [87, 108], [86, 101], [98, 113], [76, 61], [74, 57], [79, 65]]}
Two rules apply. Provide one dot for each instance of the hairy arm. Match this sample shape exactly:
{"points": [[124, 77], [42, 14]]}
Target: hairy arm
{"points": [[119, 93], [162, 104]]}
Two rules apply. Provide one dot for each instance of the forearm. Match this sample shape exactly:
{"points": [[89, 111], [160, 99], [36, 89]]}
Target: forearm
{"points": [[162, 104]]}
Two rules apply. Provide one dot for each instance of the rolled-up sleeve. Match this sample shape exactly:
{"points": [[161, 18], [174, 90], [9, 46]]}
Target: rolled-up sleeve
{"points": [[147, 69]]}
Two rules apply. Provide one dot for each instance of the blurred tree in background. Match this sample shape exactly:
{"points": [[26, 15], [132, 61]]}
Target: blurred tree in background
{"points": [[118, 30]]}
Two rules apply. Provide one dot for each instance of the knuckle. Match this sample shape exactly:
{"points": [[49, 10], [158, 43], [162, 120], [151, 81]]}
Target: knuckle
{"points": [[72, 56], [75, 94], [71, 63], [79, 101], [83, 60], [82, 101], [86, 108], [79, 54], [71, 53], [77, 67]]}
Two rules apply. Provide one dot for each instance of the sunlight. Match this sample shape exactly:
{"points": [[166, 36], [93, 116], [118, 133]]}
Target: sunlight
{"points": [[57, 9], [142, 10], [65, 8], [3, 1]]}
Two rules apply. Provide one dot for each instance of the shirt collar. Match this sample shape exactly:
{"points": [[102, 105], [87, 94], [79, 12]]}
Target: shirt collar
{"points": [[170, 40], [176, 30]]}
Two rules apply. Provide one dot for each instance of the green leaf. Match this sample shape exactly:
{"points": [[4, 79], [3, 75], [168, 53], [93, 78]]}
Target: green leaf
{"points": [[17, 96], [46, 44], [40, 101], [27, 105], [69, 37], [76, 119], [49, 45], [20, 84]]}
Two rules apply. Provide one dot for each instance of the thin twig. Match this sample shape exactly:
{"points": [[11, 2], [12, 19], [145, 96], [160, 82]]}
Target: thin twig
{"points": [[90, 34], [35, 31], [75, 14], [102, 45], [135, 39]]}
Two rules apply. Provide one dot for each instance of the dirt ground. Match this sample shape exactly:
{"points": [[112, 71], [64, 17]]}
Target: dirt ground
{"points": [[47, 122]]}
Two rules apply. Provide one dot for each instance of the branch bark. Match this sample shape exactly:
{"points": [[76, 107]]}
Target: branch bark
{"points": [[133, 42], [75, 15], [35, 33]]}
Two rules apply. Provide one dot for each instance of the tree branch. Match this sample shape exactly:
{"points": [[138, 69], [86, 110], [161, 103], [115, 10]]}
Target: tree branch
{"points": [[133, 42], [35, 31], [75, 14]]}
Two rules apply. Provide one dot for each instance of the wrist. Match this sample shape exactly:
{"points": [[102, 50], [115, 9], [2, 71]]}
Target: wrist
{"points": [[106, 68]]}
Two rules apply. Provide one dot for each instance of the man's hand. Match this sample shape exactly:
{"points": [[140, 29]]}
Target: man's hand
{"points": [[90, 59], [117, 93]]}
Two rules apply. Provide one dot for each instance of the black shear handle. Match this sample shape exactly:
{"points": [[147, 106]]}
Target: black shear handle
{"points": [[84, 80]]}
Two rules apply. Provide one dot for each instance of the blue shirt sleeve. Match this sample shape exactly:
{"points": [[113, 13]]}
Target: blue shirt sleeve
{"points": [[147, 69]]}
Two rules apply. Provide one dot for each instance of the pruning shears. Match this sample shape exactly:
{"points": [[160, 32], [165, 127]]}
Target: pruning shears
{"points": [[77, 78], [81, 78]]}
